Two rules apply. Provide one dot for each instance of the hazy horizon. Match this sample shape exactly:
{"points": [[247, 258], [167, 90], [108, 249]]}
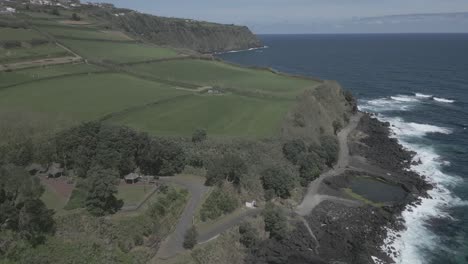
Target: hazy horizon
{"points": [[317, 16]]}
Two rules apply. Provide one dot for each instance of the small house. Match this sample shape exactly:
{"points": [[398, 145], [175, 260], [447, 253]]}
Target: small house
{"points": [[132, 178], [55, 171]]}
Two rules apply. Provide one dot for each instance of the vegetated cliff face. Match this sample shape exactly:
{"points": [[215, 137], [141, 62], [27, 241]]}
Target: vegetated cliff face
{"points": [[316, 111], [204, 37]]}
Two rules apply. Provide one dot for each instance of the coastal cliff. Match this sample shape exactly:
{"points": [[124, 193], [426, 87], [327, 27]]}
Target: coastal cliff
{"points": [[200, 36]]}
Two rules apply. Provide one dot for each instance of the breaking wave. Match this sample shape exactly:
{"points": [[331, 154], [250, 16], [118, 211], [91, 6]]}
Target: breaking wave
{"points": [[405, 246], [443, 100]]}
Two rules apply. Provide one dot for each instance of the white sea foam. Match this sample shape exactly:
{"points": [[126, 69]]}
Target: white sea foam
{"points": [[404, 98], [421, 95], [409, 129], [392, 103], [444, 100], [406, 245]]}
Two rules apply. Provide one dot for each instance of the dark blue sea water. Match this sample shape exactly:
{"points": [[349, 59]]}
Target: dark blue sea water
{"points": [[419, 83]]}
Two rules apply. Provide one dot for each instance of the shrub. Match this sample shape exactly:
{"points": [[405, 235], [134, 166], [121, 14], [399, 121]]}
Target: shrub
{"points": [[293, 149], [248, 235], [309, 168], [219, 202], [75, 17], [199, 135], [278, 180], [337, 126], [275, 221], [190, 238], [330, 149]]}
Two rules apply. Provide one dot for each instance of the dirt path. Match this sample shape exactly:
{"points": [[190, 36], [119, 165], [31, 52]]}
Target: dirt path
{"points": [[313, 198]]}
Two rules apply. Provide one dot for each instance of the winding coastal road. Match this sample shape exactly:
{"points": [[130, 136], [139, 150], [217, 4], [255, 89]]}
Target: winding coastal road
{"points": [[313, 197]]}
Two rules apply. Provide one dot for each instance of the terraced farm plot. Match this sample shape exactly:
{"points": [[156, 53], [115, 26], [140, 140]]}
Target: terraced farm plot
{"points": [[19, 34], [84, 97], [204, 72], [84, 33], [224, 115], [21, 76], [118, 52], [38, 52]]}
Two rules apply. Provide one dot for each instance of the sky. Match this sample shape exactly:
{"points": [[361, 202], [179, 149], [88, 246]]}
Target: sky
{"points": [[310, 16]]}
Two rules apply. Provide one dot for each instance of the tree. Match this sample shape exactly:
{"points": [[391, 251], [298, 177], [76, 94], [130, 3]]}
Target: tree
{"points": [[21, 209], [293, 149], [248, 235], [75, 17], [277, 179], [190, 238], [330, 149], [309, 168], [199, 135], [55, 12], [101, 189], [230, 167], [275, 221]]}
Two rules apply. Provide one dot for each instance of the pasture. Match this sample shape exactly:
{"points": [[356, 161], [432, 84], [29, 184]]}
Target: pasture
{"points": [[118, 52], [21, 76], [19, 34], [222, 115], [214, 73], [84, 97], [83, 33], [38, 52]]}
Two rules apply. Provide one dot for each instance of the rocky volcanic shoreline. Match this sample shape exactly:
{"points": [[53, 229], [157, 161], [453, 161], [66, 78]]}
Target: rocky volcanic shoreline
{"points": [[348, 233], [356, 234]]}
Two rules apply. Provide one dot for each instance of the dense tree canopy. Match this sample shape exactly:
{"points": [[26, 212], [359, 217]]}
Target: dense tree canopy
{"points": [[293, 149], [277, 179], [199, 135], [117, 148], [275, 221], [229, 167], [21, 209], [101, 190]]}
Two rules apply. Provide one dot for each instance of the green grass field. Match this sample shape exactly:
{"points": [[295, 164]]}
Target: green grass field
{"points": [[38, 52], [133, 194], [226, 115], [118, 52], [19, 34], [52, 199], [84, 33], [220, 74], [20, 76], [82, 98]]}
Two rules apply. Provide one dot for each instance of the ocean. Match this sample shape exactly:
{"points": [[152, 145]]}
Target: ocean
{"points": [[418, 83]]}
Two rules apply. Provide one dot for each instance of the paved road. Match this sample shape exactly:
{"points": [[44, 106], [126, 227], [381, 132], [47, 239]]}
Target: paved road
{"points": [[174, 242], [313, 198], [225, 224]]}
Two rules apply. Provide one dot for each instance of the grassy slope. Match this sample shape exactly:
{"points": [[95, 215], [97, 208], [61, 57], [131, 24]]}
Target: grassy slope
{"points": [[118, 52], [19, 34], [20, 76], [205, 72], [38, 52], [220, 115], [84, 97], [82, 32]]}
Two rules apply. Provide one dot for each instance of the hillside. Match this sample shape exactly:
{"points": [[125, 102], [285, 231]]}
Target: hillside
{"points": [[92, 108], [204, 37]]}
